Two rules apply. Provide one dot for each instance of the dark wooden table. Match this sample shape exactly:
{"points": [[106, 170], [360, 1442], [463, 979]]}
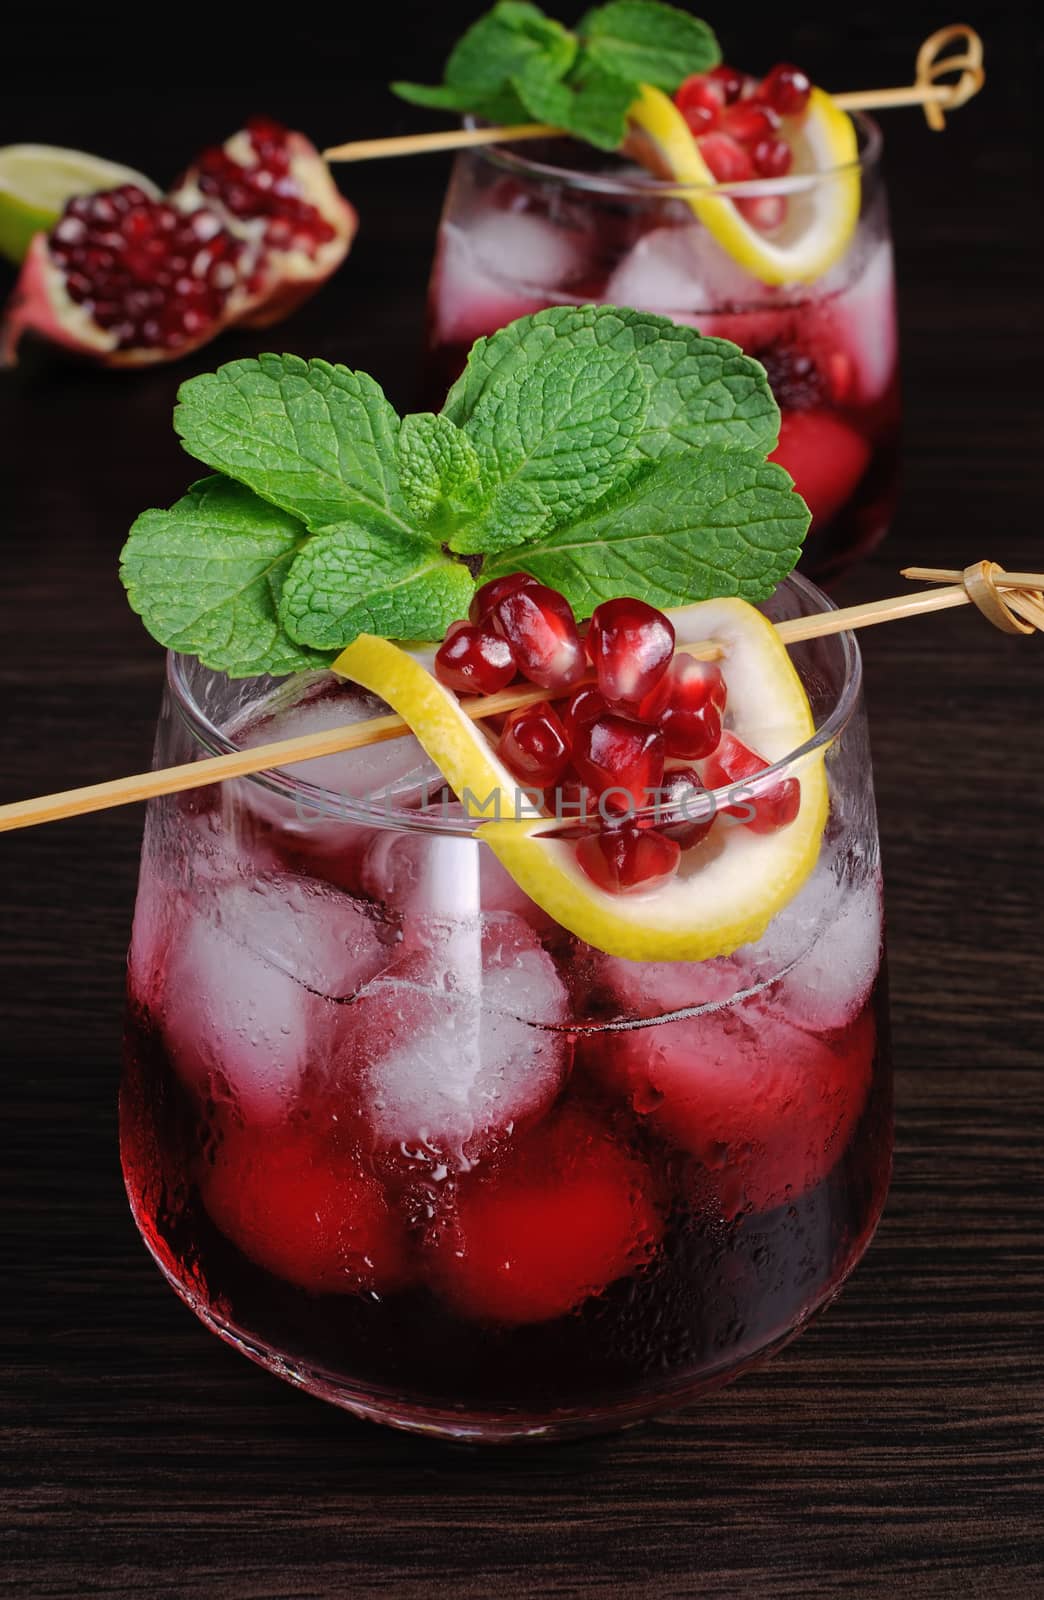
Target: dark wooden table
{"points": [[899, 1443]]}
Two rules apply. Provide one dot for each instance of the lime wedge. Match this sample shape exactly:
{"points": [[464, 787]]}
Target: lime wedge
{"points": [[36, 180]]}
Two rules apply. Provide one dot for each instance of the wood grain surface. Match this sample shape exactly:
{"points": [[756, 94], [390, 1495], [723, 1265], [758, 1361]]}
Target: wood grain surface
{"points": [[895, 1448]]}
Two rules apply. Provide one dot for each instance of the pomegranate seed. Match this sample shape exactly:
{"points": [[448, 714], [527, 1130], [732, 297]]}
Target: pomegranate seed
{"points": [[764, 211], [574, 800], [749, 122], [700, 102], [474, 660], [534, 745], [727, 160], [684, 810], [496, 589], [774, 805], [582, 707], [687, 706], [773, 158], [541, 629], [622, 860], [631, 645], [621, 761], [786, 88], [839, 366], [728, 80]]}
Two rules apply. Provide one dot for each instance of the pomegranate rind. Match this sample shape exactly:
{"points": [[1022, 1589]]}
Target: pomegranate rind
{"points": [[40, 305], [726, 891], [822, 218]]}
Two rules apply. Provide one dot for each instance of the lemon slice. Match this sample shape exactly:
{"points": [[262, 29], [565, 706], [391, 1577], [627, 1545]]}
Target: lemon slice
{"points": [[820, 219], [36, 181], [726, 892]]}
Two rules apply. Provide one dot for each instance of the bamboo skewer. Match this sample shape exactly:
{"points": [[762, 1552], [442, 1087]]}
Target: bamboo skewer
{"points": [[983, 584], [935, 98]]}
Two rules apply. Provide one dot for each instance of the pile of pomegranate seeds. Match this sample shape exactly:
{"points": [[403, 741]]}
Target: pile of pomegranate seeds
{"points": [[738, 122], [148, 273], [598, 745]]}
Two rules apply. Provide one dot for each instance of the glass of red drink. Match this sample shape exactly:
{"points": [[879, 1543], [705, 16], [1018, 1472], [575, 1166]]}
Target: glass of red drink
{"points": [[401, 1138], [555, 222]]}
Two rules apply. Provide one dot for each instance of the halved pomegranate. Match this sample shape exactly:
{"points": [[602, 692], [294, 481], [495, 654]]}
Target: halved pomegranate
{"points": [[272, 188], [244, 237]]}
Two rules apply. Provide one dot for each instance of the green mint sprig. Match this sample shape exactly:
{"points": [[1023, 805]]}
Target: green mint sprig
{"points": [[606, 451], [515, 63]]}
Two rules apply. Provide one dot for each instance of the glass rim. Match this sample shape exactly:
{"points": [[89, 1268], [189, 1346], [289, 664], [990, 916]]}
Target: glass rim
{"points": [[316, 802], [646, 186]]}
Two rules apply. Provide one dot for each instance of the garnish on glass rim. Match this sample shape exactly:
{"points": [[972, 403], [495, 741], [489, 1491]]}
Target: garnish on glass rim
{"points": [[1012, 601], [582, 454], [582, 445], [771, 168], [935, 98]]}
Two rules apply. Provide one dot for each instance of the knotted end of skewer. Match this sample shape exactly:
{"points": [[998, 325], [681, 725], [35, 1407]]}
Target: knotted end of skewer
{"points": [[933, 65], [1012, 601]]}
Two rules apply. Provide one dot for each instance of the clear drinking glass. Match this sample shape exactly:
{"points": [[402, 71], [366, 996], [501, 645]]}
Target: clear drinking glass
{"points": [[556, 223], [364, 1072]]}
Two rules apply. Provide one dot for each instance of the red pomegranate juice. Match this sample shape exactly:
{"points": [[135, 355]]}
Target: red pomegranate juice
{"points": [[536, 1199]]}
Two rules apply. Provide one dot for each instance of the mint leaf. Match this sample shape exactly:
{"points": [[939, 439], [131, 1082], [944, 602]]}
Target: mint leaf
{"points": [[710, 522], [315, 439], [553, 439], [502, 106], [357, 579], [701, 391], [601, 101], [590, 103], [503, 42], [647, 42], [439, 470], [206, 576], [512, 45], [605, 450], [440, 96]]}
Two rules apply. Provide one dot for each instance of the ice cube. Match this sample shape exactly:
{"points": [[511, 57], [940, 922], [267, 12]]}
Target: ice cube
{"points": [[642, 989], [502, 266], [827, 986], [662, 273], [388, 777], [253, 981], [398, 870], [764, 1106], [154, 912], [395, 772], [443, 1060], [681, 272], [866, 318]]}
